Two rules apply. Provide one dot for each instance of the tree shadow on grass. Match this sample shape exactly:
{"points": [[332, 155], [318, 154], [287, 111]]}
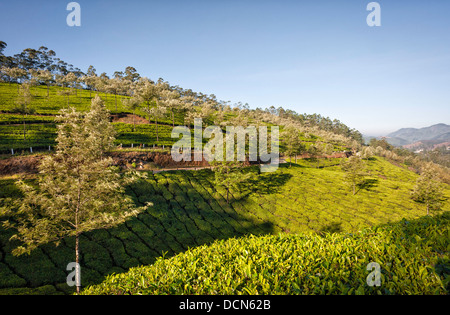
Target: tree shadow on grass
{"points": [[368, 184], [333, 227], [184, 215], [264, 183]]}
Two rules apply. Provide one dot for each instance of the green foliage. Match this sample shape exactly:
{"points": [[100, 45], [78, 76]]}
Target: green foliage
{"points": [[228, 175], [40, 126], [78, 191], [428, 189], [408, 253], [354, 172], [296, 200]]}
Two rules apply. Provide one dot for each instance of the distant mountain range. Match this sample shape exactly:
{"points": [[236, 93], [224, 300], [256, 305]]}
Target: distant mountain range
{"points": [[423, 138]]}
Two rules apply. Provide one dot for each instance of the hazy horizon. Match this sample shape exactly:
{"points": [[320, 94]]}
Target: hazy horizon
{"points": [[309, 57], [385, 133]]}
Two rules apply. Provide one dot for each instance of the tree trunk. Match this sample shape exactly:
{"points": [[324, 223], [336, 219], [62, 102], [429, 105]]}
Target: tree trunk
{"points": [[173, 118], [77, 260], [157, 137], [115, 96], [428, 208], [227, 196], [77, 240]]}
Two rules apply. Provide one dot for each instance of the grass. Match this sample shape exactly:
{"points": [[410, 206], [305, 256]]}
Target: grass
{"points": [[189, 211]]}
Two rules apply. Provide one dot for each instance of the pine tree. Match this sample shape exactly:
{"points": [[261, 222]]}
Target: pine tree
{"points": [[170, 100], [78, 189]]}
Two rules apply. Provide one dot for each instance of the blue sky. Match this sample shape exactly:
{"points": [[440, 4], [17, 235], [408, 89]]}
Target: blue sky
{"points": [[309, 56]]}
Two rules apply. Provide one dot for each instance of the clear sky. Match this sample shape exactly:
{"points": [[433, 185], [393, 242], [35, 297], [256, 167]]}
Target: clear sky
{"points": [[310, 56]]}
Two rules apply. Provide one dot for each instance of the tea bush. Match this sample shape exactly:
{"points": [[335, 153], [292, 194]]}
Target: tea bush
{"points": [[408, 253], [189, 211]]}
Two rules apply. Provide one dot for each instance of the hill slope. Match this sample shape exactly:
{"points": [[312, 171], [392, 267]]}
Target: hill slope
{"points": [[190, 211], [40, 129], [408, 253]]}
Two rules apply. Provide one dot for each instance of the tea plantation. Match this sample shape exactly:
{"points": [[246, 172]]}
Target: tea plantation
{"points": [[268, 223], [407, 252], [40, 128]]}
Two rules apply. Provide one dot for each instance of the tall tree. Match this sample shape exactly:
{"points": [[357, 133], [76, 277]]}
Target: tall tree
{"points": [[228, 175], [132, 104], [114, 86], [42, 77], [131, 74], [16, 74], [79, 190], [170, 100], [299, 149], [72, 81], [428, 189], [314, 152], [90, 78], [150, 93], [23, 105], [291, 139], [5, 61], [2, 47], [157, 113], [328, 150], [102, 84], [147, 90]]}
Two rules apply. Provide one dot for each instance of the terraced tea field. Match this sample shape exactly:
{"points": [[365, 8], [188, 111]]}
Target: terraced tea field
{"points": [[41, 129], [412, 255], [190, 211]]}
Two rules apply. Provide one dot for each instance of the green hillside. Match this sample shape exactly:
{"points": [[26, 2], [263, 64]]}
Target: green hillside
{"points": [[408, 254], [302, 203], [189, 211], [41, 129]]}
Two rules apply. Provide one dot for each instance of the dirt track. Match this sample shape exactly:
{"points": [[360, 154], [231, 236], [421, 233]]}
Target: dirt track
{"points": [[144, 161], [20, 165], [156, 161]]}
